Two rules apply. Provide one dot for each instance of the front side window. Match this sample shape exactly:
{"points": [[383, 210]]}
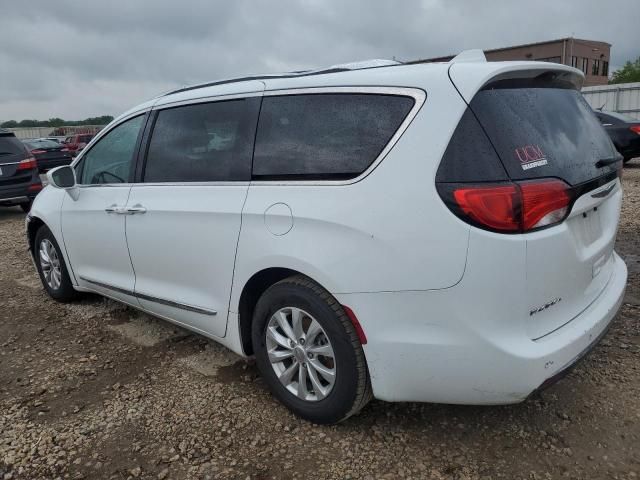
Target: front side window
{"points": [[109, 160], [325, 136], [203, 142]]}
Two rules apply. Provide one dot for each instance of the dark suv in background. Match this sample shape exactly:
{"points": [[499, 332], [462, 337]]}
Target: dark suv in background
{"points": [[19, 179]]}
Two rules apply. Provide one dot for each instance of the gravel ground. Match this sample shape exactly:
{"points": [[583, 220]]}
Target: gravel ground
{"points": [[97, 390]]}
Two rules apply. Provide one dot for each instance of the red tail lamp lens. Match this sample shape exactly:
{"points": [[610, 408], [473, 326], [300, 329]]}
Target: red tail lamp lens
{"points": [[544, 203], [492, 206], [515, 207], [27, 164]]}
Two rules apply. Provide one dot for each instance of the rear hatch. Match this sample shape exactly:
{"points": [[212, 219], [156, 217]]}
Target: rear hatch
{"points": [[51, 153], [554, 151]]}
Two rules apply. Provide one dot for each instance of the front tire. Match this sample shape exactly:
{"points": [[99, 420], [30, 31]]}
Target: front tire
{"points": [[308, 352], [51, 267]]}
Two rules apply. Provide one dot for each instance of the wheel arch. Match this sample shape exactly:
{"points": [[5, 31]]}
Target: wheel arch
{"points": [[33, 226], [253, 289]]}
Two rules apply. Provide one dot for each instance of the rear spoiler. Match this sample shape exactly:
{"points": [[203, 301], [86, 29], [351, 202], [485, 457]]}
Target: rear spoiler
{"points": [[469, 76]]}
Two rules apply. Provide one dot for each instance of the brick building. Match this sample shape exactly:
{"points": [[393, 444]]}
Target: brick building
{"points": [[590, 56]]}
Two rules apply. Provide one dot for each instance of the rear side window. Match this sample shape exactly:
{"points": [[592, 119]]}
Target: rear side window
{"points": [[10, 145], [203, 142], [470, 157], [544, 132], [325, 136]]}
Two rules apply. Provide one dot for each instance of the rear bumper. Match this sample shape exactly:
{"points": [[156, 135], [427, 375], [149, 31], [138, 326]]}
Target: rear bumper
{"points": [[428, 347], [16, 195]]}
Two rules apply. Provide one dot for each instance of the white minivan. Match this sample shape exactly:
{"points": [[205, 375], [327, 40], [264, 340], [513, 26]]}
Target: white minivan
{"points": [[438, 232]]}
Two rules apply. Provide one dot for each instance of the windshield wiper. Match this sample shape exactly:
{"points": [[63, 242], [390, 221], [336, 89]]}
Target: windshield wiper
{"points": [[608, 161]]}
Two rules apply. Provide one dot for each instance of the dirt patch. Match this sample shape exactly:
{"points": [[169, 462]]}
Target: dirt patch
{"points": [[147, 331]]}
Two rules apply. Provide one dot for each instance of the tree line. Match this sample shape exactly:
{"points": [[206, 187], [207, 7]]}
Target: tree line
{"points": [[56, 122], [627, 74]]}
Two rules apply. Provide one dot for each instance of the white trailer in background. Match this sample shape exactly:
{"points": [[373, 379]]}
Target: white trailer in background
{"points": [[622, 98]]}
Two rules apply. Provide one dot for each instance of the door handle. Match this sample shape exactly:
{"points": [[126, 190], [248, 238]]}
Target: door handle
{"points": [[115, 209], [136, 209]]}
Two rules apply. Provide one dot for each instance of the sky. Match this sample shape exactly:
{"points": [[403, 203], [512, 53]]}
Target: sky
{"points": [[73, 59]]}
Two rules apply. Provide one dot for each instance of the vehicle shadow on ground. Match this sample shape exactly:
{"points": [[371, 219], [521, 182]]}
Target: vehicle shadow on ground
{"points": [[10, 213]]}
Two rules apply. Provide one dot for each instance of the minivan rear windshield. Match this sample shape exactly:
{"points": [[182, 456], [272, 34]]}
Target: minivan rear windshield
{"points": [[544, 132]]}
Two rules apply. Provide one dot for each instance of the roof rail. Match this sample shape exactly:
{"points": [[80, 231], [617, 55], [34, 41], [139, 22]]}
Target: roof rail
{"points": [[475, 55], [344, 67]]}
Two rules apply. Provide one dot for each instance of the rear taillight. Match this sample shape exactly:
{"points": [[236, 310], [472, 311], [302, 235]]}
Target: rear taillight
{"points": [[36, 152], [510, 207], [495, 207], [544, 203], [27, 164], [635, 129]]}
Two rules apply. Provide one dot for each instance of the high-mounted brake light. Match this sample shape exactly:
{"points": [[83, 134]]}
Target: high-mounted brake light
{"points": [[27, 164], [635, 129], [510, 207]]}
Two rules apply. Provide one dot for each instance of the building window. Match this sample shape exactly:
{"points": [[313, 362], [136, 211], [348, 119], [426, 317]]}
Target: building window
{"points": [[605, 68], [585, 65], [595, 67], [574, 62]]}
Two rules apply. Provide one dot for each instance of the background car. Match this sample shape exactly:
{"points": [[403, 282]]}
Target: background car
{"points": [[19, 179], [624, 132], [75, 143], [59, 140], [48, 153]]}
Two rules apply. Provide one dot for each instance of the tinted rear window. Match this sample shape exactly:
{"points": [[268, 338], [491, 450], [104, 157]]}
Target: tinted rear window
{"points": [[325, 136], [10, 145], [544, 132], [203, 142], [33, 144]]}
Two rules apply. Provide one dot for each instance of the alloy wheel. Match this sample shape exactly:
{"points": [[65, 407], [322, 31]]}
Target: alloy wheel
{"points": [[50, 264], [301, 354]]}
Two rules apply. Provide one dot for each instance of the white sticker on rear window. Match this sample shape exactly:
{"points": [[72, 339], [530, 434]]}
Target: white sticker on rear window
{"points": [[531, 156]]}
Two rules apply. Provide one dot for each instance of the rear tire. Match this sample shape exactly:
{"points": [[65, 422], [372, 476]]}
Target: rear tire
{"points": [[26, 206], [324, 352], [51, 267]]}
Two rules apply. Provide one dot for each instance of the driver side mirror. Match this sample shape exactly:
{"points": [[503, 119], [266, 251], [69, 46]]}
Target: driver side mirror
{"points": [[62, 177]]}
